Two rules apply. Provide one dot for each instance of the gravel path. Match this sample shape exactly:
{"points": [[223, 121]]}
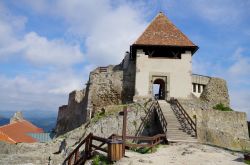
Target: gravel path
{"points": [[184, 154]]}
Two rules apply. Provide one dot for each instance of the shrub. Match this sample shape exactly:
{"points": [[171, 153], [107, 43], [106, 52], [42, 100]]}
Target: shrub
{"points": [[100, 160], [145, 150], [221, 107]]}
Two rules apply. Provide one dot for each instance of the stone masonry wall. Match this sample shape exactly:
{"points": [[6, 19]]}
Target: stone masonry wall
{"points": [[72, 115], [216, 92], [224, 129], [111, 85], [129, 70], [104, 88]]}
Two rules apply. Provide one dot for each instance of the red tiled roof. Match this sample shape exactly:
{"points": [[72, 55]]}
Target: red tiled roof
{"points": [[17, 132], [162, 32]]}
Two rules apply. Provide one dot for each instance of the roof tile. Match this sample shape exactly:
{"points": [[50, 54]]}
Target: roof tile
{"points": [[162, 32], [18, 131]]}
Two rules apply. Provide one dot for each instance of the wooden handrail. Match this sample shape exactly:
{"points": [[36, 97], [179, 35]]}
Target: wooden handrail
{"points": [[148, 112], [161, 116], [185, 114], [75, 152], [153, 141], [145, 138], [74, 157]]}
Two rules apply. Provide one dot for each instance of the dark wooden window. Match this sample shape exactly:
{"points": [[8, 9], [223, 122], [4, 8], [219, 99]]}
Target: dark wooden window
{"points": [[199, 88], [194, 87]]}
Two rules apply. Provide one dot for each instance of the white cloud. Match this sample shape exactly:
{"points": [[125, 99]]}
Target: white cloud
{"points": [[28, 92], [107, 30], [240, 101], [241, 65], [222, 12], [40, 50], [113, 35], [37, 49]]}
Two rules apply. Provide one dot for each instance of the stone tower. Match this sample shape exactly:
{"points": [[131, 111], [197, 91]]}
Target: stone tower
{"points": [[163, 56]]}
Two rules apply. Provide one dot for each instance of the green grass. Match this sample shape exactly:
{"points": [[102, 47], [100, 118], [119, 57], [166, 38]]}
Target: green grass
{"points": [[247, 161], [146, 150], [100, 160], [222, 107]]}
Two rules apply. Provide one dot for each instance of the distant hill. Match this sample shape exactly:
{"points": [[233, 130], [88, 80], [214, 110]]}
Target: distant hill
{"points": [[47, 123], [41, 119], [4, 120]]}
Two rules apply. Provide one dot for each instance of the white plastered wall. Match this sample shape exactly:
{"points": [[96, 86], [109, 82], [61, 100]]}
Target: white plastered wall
{"points": [[178, 72]]}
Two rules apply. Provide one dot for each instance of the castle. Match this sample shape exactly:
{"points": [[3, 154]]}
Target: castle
{"points": [[161, 56], [159, 65]]}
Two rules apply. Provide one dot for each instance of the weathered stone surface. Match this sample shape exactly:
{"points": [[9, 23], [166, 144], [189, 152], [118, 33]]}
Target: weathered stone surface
{"points": [[103, 125], [111, 123], [216, 92], [224, 129], [104, 88], [18, 116], [72, 115], [33, 154], [110, 85]]}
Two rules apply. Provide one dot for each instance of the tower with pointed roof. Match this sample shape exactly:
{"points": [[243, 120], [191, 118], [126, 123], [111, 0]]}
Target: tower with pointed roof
{"points": [[163, 57]]}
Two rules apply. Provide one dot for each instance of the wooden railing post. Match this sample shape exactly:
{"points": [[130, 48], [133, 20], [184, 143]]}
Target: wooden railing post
{"points": [[195, 118], [76, 155], [70, 159], [87, 146], [124, 127]]}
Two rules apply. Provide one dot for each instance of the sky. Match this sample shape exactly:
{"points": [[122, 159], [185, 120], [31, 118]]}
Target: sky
{"points": [[48, 47]]}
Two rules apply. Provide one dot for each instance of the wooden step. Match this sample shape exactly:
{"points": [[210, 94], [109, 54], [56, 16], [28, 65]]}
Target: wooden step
{"points": [[175, 132]]}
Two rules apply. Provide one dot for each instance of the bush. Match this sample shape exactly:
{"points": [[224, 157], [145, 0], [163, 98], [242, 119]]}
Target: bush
{"points": [[145, 150], [100, 160], [221, 107]]}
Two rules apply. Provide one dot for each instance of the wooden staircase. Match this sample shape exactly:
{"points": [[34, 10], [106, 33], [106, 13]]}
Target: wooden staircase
{"points": [[175, 131]]}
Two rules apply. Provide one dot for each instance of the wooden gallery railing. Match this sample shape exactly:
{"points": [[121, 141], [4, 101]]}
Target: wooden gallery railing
{"points": [[149, 111], [78, 158], [115, 152], [116, 148], [184, 115], [146, 141], [161, 116]]}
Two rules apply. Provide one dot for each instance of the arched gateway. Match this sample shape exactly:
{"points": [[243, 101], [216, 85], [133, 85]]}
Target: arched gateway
{"points": [[159, 89]]}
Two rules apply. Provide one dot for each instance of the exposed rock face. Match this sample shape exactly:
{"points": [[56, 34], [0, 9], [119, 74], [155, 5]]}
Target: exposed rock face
{"points": [[216, 92], [18, 116], [109, 123], [33, 154], [72, 115]]}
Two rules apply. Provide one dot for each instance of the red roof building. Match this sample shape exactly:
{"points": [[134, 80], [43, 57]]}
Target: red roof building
{"points": [[18, 132]]}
